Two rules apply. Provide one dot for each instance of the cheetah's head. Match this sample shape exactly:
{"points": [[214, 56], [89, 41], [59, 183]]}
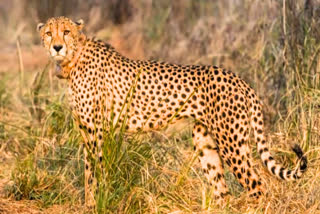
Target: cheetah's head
{"points": [[61, 37]]}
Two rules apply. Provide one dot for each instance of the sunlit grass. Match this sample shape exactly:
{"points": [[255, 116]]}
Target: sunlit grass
{"points": [[275, 50]]}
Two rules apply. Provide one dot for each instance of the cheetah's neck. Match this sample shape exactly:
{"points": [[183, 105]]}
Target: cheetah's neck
{"points": [[65, 68]]}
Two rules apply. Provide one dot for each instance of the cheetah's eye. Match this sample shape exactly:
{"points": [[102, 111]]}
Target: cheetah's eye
{"points": [[66, 32], [49, 33]]}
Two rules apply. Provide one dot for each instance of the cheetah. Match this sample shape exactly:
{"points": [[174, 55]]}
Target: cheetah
{"points": [[222, 105]]}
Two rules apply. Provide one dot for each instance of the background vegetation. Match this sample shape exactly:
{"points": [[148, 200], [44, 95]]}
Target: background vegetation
{"points": [[273, 45]]}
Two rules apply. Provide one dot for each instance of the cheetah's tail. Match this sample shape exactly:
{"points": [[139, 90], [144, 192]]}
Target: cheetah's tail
{"points": [[278, 170], [274, 168]]}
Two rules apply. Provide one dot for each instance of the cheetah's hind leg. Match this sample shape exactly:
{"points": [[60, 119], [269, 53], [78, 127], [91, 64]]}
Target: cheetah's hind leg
{"points": [[210, 160]]}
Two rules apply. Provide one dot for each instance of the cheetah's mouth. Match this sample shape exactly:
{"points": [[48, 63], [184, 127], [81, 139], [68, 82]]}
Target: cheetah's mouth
{"points": [[58, 58]]}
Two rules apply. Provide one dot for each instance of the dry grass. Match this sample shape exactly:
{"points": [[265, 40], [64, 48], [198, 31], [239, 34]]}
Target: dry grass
{"points": [[273, 45]]}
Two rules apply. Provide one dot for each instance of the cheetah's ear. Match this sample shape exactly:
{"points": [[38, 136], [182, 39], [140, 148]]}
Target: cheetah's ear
{"points": [[80, 24], [39, 26]]}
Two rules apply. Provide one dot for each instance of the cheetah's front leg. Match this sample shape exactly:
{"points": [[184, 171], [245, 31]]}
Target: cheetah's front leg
{"points": [[90, 182]]}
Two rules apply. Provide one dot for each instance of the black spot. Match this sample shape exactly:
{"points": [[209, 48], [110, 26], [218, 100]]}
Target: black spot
{"points": [[201, 154], [231, 149], [289, 173], [273, 169], [209, 166], [234, 160], [239, 175], [235, 137], [205, 133], [281, 173], [254, 184], [219, 176]]}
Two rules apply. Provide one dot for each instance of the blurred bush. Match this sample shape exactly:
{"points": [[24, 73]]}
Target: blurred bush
{"points": [[23, 15]]}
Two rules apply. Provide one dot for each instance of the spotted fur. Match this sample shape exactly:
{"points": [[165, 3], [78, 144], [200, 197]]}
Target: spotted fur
{"points": [[224, 107]]}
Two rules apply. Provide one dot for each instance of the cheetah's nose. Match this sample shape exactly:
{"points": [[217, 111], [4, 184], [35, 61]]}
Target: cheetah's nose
{"points": [[57, 47]]}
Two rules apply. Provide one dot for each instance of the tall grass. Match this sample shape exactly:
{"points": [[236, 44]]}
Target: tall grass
{"points": [[40, 132]]}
